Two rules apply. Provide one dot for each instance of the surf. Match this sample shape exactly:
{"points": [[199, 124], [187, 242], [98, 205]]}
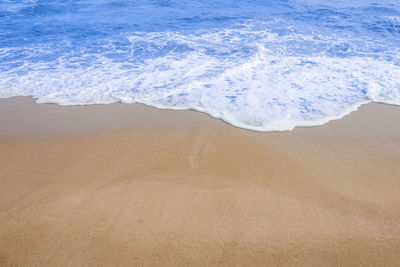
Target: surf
{"points": [[265, 66]]}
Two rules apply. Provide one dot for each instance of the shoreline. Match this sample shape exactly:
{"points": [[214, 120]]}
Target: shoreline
{"points": [[137, 106], [122, 184], [119, 116]]}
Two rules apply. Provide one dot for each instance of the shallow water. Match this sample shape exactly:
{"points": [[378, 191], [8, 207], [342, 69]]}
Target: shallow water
{"points": [[261, 65]]}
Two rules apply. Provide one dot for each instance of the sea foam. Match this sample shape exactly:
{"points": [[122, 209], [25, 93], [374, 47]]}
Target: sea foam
{"points": [[273, 73]]}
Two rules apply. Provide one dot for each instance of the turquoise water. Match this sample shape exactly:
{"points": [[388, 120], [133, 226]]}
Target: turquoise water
{"points": [[260, 65]]}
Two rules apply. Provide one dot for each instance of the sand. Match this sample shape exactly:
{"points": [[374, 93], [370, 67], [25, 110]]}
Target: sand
{"points": [[117, 185]]}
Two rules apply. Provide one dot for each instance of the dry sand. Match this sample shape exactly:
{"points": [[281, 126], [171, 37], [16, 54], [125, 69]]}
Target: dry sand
{"points": [[117, 185]]}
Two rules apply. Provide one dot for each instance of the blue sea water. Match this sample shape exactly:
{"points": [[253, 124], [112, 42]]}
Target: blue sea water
{"points": [[258, 64]]}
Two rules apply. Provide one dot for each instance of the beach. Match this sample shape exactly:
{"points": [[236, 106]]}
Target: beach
{"points": [[128, 184], [199, 133]]}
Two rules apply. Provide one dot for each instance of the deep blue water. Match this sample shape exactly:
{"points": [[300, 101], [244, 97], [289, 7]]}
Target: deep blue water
{"points": [[262, 65]]}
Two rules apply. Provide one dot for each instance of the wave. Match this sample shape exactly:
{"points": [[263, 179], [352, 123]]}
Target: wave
{"points": [[239, 75], [303, 65]]}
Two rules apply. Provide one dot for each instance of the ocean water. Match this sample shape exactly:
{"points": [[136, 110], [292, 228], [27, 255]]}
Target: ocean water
{"points": [[266, 65]]}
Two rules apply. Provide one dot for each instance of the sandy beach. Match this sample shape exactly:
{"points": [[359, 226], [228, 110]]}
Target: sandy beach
{"points": [[123, 185]]}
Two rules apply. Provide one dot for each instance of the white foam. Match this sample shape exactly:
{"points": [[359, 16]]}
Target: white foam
{"points": [[14, 6], [262, 87]]}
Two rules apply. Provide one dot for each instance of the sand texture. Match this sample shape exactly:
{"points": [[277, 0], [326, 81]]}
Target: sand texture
{"points": [[124, 185]]}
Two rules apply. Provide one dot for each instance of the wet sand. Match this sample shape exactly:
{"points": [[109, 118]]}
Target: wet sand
{"points": [[125, 185]]}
